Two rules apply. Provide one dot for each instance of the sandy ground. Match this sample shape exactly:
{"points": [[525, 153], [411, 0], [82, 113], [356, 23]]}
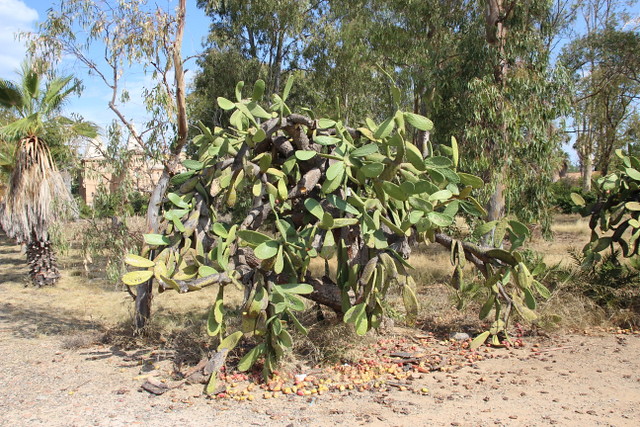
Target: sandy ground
{"points": [[571, 380], [583, 379]]}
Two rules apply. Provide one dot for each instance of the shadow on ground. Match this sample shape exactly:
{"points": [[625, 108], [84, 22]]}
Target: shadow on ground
{"points": [[25, 322], [13, 267]]}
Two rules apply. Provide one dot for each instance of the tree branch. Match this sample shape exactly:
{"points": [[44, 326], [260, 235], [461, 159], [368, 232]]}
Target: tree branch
{"points": [[326, 292], [472, 253], [180, 81], [213, 279]]}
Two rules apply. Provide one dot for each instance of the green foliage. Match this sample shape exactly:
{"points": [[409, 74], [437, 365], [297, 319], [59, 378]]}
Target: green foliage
{"points": [[139, 202], [110, 240], [321, 190], [612, 284], [609, 281], [7, 152], [219, 72], [38, 104], [505, 127], [562, 200], [605, 68], [122, 202], [614, 215]]}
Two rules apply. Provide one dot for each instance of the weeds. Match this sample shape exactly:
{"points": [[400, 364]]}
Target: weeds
{"points": [[611, 284], [81, 340], [109, 241]]}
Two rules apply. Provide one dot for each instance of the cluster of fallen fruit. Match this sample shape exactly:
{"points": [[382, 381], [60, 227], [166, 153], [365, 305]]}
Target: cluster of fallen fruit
{"points": [[391, 364]]}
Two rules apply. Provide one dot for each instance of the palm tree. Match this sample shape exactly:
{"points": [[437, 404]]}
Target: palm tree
{"points": [[36, 194], [7, 150], [6, 166]]}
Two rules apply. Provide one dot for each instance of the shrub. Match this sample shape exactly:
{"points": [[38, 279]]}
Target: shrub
{"points": [[561, 192], [611, 284], [111, 239], [121, 202]]}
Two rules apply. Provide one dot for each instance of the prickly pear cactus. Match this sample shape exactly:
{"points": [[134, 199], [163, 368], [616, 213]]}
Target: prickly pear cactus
{"points": [[314, 188], [615, 212]]}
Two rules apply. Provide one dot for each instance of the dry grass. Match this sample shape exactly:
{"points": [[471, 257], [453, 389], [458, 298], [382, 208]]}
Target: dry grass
{"points": [[432, 264], [569, 231], [572, 312], [328, 341], [564, 310], [81, 340], [570, 224]]}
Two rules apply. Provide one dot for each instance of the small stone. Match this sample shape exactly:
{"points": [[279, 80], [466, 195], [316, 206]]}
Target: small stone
{"points": [[460, 336]]}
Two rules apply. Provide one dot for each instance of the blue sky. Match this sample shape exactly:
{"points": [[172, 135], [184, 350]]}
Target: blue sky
{"points": [[22, 15]]}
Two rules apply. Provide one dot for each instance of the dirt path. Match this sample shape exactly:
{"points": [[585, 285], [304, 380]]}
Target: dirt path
{"points": [[574, 380], [48, 378]]}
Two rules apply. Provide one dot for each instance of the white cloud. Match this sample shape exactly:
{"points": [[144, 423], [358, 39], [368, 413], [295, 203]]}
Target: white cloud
{"points": [[15, 16], [18, 11]]}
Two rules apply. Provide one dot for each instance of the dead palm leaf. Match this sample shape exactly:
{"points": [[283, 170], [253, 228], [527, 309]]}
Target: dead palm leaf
{"points": [[37, 194]]}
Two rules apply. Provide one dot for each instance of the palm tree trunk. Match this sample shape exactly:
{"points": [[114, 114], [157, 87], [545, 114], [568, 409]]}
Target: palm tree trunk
{"points": [[43, 267]]}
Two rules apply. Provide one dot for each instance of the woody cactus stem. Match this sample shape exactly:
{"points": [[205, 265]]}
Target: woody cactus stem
{"points": [[43, 268]]}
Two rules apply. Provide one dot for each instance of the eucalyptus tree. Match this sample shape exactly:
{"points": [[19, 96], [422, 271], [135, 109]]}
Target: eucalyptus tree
{"points": [[218, 72], [606, 70], [36, 193], [511, 107], [482, 70], [270, 32], [604, 66], [255, 40], [129, 35]]}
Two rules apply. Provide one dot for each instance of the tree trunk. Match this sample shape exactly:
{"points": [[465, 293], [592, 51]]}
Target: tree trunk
{"points": [[145, 290], [41, 259], [422, 137], [277, 63], [587, 166], [607, 150], [496, 203], [495, 210], [496, 35]]}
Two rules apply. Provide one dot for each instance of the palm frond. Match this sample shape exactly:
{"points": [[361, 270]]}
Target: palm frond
{"points": [[37, 194], [30, 81], [5, 160], [10, 94], [87, 129], [54, 96], [63, 121], [21, 128], [6, 168]]}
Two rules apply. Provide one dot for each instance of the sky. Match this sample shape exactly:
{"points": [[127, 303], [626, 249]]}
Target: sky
{"points": [[23, 15]]}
